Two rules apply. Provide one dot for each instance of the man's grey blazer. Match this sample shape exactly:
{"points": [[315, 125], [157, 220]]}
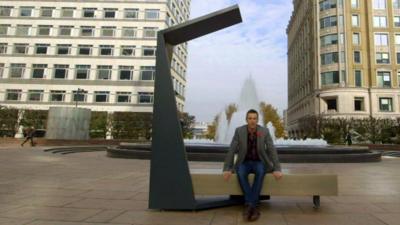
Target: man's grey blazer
{"points": [[265, 148]]}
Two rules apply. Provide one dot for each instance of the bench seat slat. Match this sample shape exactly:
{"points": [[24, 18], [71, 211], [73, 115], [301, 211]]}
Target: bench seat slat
{"points": [[289, 185]]}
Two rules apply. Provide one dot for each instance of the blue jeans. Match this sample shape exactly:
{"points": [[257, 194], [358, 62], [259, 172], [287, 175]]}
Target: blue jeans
{"points": [[251, 193]]}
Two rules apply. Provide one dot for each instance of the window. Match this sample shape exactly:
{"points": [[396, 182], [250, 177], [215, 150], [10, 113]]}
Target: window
{"points": [[127, 50], [358, 78], [104, 72], [85, 49], [396, 4], [149, 51], [385, 104], [22, 30], [328, 22], [60, 71], [1, 70], [46, 11], [25, 11], [145, 97], [80, 96], [129, 32], [44, 30], [67, 12], [379, 4], [123, 97], [381, 39], [63, 49], [329, 78], [3, 48], [380, 21], [355, 4], [356, 39], [382, 58], [396, 21], [35, 95], [108, 31], [150, 32], [87, 31], [41, 48], [357, 57], [88, 12], [65, 30], [355, 20], [332, 104], [398, 57], [125, 72], [101, 96], [20, 48], [131, 13], [17, 70], [329, 58], [38, 71], [13, 94], [4, 29], [106, 49], [398, 78], [152, 14], [5, 10], [358, 104], [147, 72], [383, 79], [57, 96], [109, 13], [327, 4], [82, 72]]}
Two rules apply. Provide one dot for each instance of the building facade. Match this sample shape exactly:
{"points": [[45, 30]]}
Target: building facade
{"points": [[343, 60], [99, 54]]}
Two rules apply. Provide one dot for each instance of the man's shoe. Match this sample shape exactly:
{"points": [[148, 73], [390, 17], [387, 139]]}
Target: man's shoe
{"points": [[255, 214], [247, 211]]}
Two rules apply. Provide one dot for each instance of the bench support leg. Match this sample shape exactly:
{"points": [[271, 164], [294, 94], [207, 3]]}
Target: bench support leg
{"points": [[316, 201]]}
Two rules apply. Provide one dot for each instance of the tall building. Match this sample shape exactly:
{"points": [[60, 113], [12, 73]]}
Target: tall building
{"points": [[97, 53], [343, 60]]}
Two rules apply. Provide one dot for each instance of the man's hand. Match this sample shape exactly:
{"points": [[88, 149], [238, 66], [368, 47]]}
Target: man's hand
{"points": [[227, 175], [277, 174]]}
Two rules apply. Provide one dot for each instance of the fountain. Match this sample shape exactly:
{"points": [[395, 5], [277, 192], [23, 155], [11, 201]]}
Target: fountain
{"points": [[289, 150]]}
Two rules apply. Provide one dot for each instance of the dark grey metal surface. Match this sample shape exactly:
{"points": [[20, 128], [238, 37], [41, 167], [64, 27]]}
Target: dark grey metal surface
{"points": [[170, 181]]}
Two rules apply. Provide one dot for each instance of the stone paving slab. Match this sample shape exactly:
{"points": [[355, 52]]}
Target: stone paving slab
{"points": [[41, 188]]}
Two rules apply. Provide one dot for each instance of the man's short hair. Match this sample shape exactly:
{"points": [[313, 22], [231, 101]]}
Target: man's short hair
{"points": [[251, 111]]}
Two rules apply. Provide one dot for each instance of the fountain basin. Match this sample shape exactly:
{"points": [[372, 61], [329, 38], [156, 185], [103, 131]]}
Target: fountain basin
{"points": [[286, 153]]}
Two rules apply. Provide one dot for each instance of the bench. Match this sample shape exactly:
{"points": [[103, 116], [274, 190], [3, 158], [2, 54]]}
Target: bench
{"points": [[315, 185]]}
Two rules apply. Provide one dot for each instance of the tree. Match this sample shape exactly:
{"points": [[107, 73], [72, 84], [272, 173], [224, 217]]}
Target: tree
{"points": [[187, 124], [98, 125], [212, 129], [229, 110], [270, 114], [8, 121]]}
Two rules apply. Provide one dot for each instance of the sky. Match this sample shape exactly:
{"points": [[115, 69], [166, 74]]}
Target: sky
{"points": [[219, 63]]}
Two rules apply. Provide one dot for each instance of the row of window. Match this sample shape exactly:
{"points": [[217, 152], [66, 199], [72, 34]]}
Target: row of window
{"points": [[383, 78], [378, 21], [385, 104], [80, 50], [355, 4], [73, 12], [85, 72], [82, 31], [81, 96], [333, 57]]}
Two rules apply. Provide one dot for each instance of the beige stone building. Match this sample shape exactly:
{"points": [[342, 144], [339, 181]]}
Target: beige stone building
{"points": [[343, 60], [50, 49]]}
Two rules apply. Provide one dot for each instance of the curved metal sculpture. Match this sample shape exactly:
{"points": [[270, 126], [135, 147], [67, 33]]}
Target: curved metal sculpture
{"points": [[170, 181]]}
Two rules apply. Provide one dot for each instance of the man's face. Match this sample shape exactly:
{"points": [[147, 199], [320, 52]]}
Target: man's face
{"points": [[252, 120]]}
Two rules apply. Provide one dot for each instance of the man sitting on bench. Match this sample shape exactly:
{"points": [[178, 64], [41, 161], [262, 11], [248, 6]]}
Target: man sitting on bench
{"points": [[256, 154]]}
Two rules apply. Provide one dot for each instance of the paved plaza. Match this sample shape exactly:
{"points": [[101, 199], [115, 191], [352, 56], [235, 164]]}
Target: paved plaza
{"points": [[41, 188]]}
